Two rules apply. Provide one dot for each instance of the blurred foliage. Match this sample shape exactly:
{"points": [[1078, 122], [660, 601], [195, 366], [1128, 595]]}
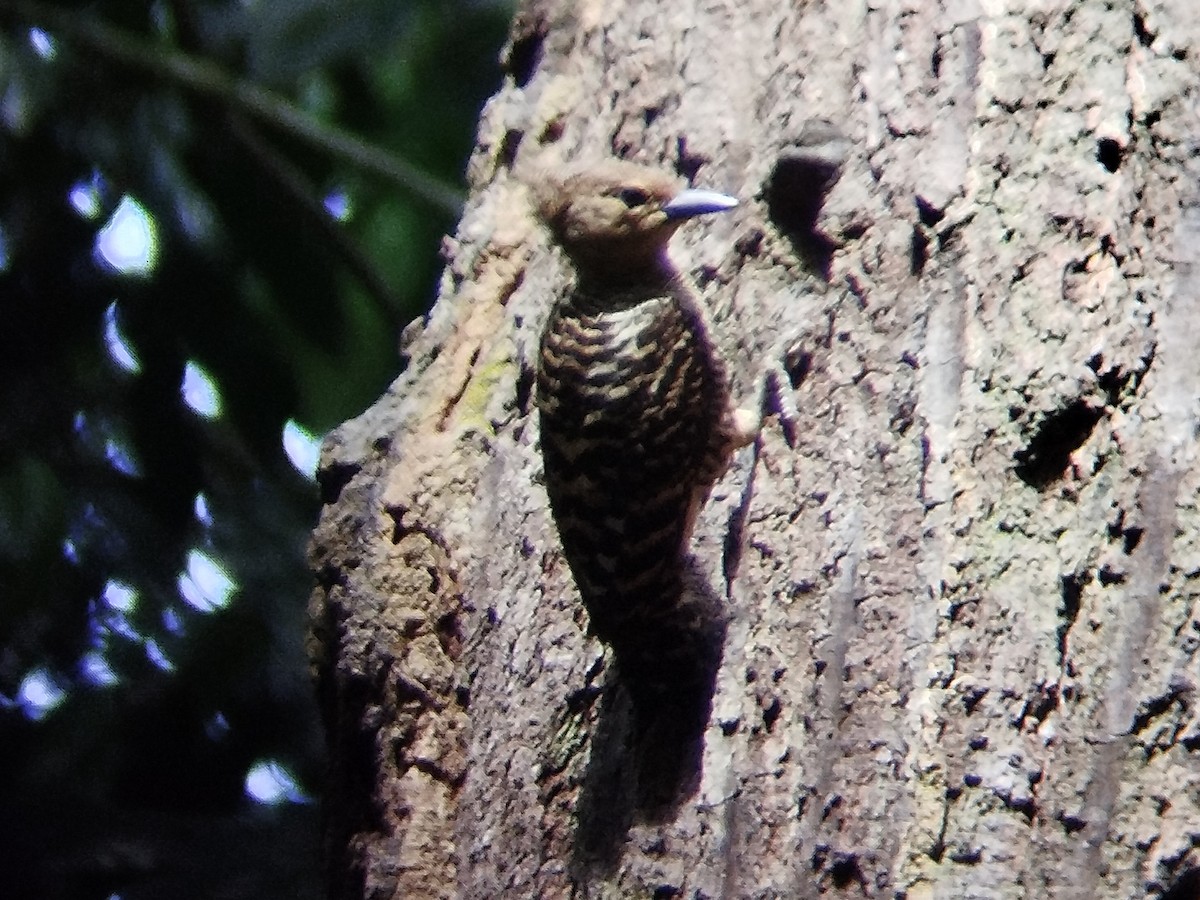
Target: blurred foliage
{"points": [[289, 167]]}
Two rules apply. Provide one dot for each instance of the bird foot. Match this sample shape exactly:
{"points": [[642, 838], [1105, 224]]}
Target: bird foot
{"points": [[774, 392], [777, 399]]}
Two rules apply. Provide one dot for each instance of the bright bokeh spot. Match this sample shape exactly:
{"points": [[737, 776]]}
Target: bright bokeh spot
{"points": [[206, 585], [104, 438], [85, 198], [39, 694], [303, 448], [157, 656], [199, 391], [270, 782], [95, 670], [128, 241], [172, 621], [201, 511], [121, 457], [120, 351], [111, 616], [122, 628], [120, 596], [338, 205], [106, 622], [42, 43]]}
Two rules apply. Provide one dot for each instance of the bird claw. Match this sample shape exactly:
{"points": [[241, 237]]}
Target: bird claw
{"points": [[774, 394], [776, 399]]}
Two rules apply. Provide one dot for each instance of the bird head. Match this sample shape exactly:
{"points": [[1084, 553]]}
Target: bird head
{"points": [[614, 219]]}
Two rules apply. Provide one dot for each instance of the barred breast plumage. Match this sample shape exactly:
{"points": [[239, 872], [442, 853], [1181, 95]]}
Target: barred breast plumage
{"points": [[635, 414]]}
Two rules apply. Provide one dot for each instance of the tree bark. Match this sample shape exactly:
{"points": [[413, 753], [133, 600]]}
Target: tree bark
{"points": [[962, 588]]}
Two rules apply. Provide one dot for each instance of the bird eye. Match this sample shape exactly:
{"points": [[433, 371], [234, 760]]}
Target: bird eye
{"points": [[632, 197]]}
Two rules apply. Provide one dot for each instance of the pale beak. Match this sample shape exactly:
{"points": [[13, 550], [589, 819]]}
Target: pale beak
{"points": [[695, 202]]}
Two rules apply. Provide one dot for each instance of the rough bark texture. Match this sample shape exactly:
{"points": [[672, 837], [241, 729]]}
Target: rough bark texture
{"points": [[963, 597]]}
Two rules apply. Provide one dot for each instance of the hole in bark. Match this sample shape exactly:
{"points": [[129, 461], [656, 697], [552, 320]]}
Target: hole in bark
{"points": [[967, 857], [845, 871], [525, 55], [1144, 36], [1151, 710], [929, 214], [525, 377], [795, 191], [903, 416], [1046, 457], [509, 146], [972, 697], [1071, 824], [1112, 381], [1071, 587], [581, 699], [1038, 708], [449, 635], [959, 607], [553, 131], [1024, 805], [707, 275], [797, 363], [1109, 153], [328, 575], [918, 253], [687, 162], [1186, 886], [770, 714], [333, 478], [749, 245], [666, 891], [1131, 537]]}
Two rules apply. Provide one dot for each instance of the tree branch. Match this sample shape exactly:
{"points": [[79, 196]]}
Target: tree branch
{"points": [[211, 80]]}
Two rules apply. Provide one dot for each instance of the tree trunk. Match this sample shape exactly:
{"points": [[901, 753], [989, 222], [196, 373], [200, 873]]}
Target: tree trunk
{"points": [[962, 587]]}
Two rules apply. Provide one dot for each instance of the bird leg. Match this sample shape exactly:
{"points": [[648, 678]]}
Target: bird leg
{"points": [[773, 392]]}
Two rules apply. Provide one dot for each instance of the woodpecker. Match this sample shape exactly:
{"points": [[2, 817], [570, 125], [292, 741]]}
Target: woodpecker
{"points": [[634, 401]]}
